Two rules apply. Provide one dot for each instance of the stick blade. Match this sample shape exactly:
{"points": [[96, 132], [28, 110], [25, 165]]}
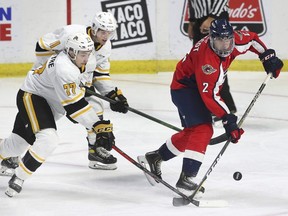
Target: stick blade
{"points": [[179, 201]]}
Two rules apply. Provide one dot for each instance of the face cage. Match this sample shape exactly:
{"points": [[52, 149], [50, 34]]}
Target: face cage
{"points": [[222, 53]]}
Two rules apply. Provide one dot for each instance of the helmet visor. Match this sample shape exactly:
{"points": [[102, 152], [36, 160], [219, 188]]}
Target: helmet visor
{"points": [[223, 46]]}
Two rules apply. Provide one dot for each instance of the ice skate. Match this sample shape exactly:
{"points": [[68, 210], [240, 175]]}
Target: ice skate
{"points": [[14, 186], [154, 160], [100, 158], [8, 166], [187, 186]]}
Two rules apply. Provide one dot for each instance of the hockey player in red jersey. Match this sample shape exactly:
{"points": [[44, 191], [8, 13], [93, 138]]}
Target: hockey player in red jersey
{"points": [[195, 91]]}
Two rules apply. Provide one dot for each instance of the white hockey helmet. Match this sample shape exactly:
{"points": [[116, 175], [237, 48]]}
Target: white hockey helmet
{"points": [[104, 21], [78, 42]]}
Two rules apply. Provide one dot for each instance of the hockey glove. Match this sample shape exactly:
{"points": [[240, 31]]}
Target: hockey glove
{"points": [[232, 130], [270, 62], [104, 135], [121, 104]]}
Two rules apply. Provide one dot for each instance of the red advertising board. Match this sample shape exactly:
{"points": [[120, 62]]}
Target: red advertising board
{"points": [[243, 15]]}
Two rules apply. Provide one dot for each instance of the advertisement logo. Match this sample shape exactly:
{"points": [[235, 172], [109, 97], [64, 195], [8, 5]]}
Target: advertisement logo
{"points": [[247, 15], [243, 15], [133, 22], [5, 23], [185, 19]]}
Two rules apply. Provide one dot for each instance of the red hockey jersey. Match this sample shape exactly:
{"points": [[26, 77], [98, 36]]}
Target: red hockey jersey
{"points": [[204, 70]]}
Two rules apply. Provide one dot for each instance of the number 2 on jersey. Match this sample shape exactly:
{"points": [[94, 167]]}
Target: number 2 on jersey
{"points": [[205, 87]]}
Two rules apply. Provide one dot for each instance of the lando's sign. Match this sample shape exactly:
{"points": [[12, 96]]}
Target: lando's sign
{"points": [[243, 15], [247, 15], [133, 22]]}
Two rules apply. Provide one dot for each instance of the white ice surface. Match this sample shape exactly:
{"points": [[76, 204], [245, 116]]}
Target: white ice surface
{"points": [[64, 185]]}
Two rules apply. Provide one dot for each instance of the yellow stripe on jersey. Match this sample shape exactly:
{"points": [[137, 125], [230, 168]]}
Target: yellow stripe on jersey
{"points": [[88, 84], [100, 78], [74, 99], [24, 168], [27, 99], [1, 157], [49, 53], [54, 44], [100, 70], [81, 111], [100, 113], [98, 47], [36, 157], [42, 45]]}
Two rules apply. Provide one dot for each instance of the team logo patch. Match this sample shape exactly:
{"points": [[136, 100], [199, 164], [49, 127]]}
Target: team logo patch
{"points": [[208, 69]]}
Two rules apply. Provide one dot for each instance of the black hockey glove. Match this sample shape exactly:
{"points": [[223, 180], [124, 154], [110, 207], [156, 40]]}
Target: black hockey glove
{"points": [[104, 135], [121, 104], [232, 130], [270, 62]]}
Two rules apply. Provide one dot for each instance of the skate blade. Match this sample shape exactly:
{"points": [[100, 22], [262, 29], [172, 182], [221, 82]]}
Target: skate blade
{"points": [[101, 166], [142, 160], [10, 192], [6, 172]]}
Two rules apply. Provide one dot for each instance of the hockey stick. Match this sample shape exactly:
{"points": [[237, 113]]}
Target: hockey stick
{"points": [[213, 141], [181, 201], [211, 203], [134, 110]]}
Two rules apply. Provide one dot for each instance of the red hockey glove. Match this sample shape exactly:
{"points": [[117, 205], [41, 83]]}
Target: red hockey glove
{"points": [[271, 63], [232, 130], [121, 104]]}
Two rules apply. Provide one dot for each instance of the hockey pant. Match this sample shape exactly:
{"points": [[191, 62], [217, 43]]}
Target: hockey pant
{"points": [[35, 130], [192, 142]]}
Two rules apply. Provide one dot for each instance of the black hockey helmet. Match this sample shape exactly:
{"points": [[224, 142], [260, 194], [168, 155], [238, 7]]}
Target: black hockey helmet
{"points": [[222, 37]]}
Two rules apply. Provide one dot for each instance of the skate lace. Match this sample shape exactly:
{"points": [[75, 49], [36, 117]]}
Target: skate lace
{"points": [[18, 181], [15, 182], [103, 152], [157, 166]]}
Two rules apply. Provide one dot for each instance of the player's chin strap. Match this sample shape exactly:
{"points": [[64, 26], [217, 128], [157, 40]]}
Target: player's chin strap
{"points": [[181, 201], [213, 141]]}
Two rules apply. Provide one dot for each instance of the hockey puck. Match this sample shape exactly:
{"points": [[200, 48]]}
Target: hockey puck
{"points": [[237, 176]]}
